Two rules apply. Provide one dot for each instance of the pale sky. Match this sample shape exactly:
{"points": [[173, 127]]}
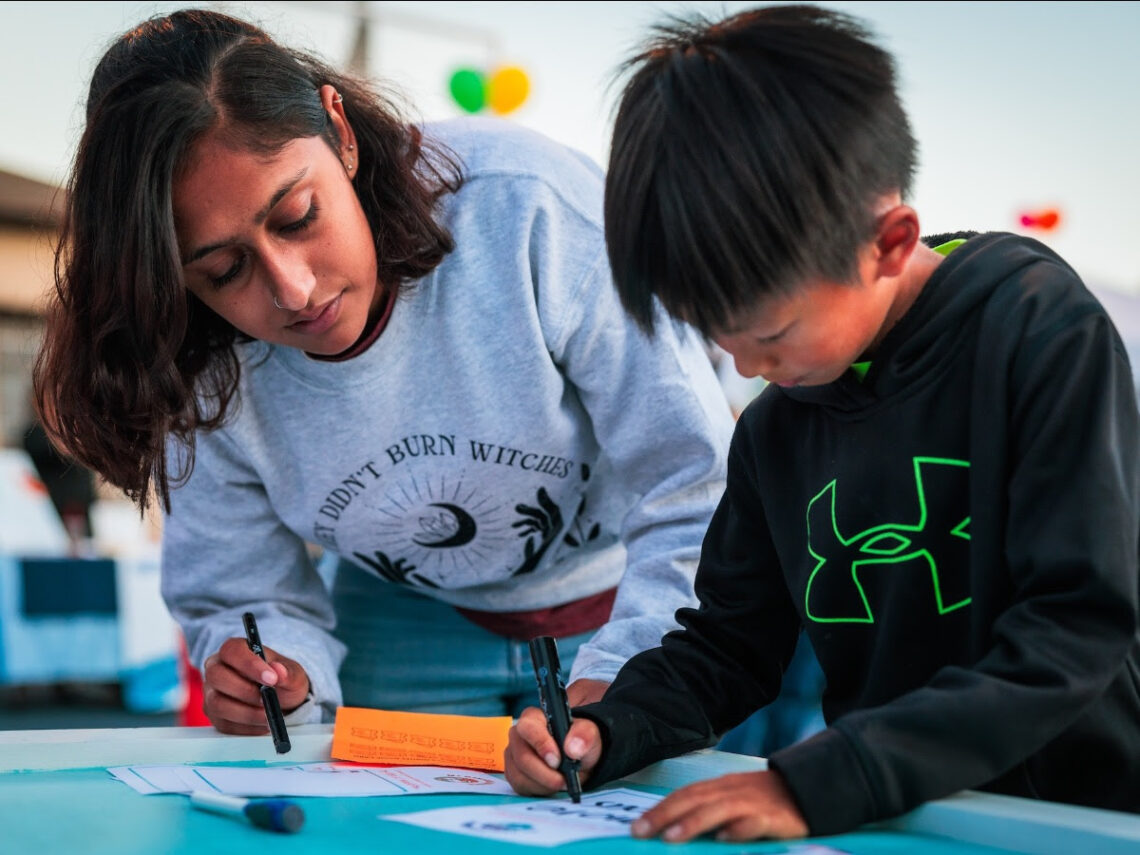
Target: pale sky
{"points": [[1017, 106]]}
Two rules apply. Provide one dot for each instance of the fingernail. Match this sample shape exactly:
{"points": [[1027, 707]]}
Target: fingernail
{"points": [[269, 677], [551, 760], [640, 827], [575, 747], [672, 832]]}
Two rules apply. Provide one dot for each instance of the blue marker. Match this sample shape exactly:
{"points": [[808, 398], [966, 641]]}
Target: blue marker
{"points": [[272, 814]]}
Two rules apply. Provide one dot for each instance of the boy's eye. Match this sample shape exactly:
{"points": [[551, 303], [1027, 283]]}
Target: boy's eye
{"points": [[774, 337], [303, 223]]}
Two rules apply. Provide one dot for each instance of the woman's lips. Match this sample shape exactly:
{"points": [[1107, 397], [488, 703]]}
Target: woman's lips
{"points": [[319, 322]]}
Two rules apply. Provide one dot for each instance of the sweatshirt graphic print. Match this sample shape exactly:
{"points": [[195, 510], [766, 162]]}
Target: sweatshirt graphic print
{"points": [[435, 523], [931, 546]]}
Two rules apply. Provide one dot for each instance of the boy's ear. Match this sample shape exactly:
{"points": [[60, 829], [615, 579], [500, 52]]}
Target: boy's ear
{"points": [[895, 240]]}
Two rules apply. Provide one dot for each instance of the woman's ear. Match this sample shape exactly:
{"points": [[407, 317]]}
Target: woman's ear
{"points": [[896, 237], [333, 103]]}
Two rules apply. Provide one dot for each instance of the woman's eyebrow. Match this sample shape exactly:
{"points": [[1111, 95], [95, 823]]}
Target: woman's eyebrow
{"points": [[258, 218]]}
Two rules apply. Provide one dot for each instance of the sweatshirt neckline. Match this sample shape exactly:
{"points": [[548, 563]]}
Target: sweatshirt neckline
{"points": [[367, 338], [364, 368]]}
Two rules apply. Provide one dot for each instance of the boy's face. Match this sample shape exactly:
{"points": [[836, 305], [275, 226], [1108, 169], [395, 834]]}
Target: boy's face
{"points": [[812, 336]]}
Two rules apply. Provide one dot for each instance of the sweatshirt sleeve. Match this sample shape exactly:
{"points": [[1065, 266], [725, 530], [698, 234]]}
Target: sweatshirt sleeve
{"points": [[1067, 443], [224, 552], [725, 662], [663, 425]]}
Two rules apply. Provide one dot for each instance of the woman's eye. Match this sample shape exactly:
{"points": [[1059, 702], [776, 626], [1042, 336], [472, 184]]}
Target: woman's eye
{"points": [[302, 223], [229, 275]]}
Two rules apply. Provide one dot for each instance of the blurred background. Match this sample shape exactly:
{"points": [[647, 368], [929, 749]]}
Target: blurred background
{"points": [[1026, 122]]}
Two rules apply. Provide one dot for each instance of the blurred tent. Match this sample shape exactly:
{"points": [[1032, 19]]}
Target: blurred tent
{"points": [[30, 214], [29, 217]]}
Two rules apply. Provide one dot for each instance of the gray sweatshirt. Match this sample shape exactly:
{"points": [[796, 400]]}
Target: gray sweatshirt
{"points": [[510, 442]]}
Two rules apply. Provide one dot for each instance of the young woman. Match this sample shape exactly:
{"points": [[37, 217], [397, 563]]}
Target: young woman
{"points": [[300, 320]]}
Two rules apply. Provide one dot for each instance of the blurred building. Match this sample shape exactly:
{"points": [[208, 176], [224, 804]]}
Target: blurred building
{"points": [[30, 214]]}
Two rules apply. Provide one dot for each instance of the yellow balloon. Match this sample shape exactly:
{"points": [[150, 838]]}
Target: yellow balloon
{"points": [[507, 89]]}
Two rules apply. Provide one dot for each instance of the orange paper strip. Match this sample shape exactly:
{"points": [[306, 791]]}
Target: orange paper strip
{"points": [[420, 739]]}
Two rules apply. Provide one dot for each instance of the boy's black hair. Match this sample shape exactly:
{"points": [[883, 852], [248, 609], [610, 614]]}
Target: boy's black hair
{"points": [[747, 156]]}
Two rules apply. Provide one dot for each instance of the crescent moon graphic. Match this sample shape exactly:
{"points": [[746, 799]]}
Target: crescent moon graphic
{"points": [[463, 535]]}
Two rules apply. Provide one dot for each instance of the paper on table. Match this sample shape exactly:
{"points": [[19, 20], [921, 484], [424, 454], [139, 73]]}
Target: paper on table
{"points": [[309, 779], [383, 736], [150, 780], [547, 822]]}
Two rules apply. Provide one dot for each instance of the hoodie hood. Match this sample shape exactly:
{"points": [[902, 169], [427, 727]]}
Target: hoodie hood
{"points": [[928, 336]]}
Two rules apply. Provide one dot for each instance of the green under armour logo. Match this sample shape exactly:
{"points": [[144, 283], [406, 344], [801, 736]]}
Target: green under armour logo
{"points": [[834, 591]]}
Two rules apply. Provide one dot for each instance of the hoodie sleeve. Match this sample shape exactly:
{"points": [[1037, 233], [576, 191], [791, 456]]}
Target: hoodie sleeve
{"points": [[725, 662], [663, 424], [225, 551]]}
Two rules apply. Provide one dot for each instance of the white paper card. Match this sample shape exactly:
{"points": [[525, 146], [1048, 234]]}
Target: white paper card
{"points": [[310, 779], [546, 822]]}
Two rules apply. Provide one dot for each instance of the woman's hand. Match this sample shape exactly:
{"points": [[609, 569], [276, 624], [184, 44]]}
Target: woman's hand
{"points": [[231, 681], [532, 756], [741, 806]]}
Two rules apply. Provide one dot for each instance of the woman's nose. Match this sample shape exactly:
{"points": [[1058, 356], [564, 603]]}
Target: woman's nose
{"points": [[290, 280]]}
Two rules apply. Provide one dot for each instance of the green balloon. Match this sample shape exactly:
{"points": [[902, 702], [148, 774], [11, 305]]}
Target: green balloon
{"points": [[468, 89]]}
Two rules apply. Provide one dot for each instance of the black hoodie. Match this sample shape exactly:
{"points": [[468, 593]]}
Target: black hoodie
{"points": [[957, 534]]}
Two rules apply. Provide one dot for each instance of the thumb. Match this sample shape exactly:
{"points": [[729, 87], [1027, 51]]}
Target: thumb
{"points": [[292, 681], [584, 743], [290, 675]]}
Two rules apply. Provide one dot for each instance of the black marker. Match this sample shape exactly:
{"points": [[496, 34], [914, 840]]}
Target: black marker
{"points": [[268, 693], [552, 695]]}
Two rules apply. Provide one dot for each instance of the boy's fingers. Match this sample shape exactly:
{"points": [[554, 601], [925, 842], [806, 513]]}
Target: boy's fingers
{"points": [[532, 777], [527, 771], [742, 806], [531, 727], [684, 813], [582, 692], [584, 743]]}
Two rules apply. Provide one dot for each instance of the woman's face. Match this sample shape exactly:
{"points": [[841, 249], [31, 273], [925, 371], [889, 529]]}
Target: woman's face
{"points": [[278, 245]]}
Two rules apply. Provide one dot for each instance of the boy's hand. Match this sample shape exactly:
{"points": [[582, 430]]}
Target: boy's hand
{"points": [[582, 692], [741, 806], [532, 755], [231, 678]]}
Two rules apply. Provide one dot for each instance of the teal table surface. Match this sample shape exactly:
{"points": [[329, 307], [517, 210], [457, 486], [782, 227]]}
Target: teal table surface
{"points": [[87, 811], [56, 796]]}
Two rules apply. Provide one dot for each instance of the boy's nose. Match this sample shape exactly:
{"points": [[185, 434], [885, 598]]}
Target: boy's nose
{"points": [[755, 366]]}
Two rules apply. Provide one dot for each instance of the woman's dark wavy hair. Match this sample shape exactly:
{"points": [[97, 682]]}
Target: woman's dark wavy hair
{"points": [[130, 357], [746, 158]]}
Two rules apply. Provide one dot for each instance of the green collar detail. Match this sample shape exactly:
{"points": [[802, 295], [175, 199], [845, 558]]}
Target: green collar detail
{"points": [[860, 369]]}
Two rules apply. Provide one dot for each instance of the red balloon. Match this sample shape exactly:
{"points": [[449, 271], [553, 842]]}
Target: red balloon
{"points": [[1046, 220]]}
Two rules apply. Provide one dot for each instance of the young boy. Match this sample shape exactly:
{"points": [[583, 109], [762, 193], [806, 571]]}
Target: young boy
{"points": [[940, 486]]}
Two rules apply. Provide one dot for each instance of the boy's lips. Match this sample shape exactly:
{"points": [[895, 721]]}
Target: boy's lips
{"points": [[787, 384]]}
